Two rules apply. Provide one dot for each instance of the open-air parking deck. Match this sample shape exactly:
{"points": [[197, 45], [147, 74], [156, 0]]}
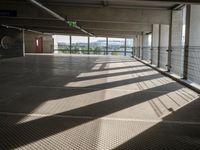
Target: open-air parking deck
{"points": [[94, 102]]}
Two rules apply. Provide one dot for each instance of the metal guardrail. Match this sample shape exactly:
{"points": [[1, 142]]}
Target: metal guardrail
{"points": [[103, 51], [180, 64]]}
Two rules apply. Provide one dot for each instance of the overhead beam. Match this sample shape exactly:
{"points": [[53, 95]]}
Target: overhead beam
{"points": [[104, 14], [115, 14], [128, 4], [105, 3], [56, 15], [175, 1], [116, 26], [97, 33], [85, 25]]}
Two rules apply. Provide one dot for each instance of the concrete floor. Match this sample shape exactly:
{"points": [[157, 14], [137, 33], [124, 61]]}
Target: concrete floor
{"points": [[94, 102]]}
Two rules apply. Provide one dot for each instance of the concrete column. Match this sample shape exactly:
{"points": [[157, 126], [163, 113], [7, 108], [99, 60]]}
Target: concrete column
{"points": [[70, 44], [133, 48], [163, 46], [136, 47], [125, 47], [192, 44], [169, 45], [106, 45], [23, 38], [155, 44], [141, 46], [175, 43], [88, 45], [187, 41]]}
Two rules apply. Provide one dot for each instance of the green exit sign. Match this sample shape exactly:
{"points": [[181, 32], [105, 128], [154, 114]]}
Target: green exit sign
{"points": [[72, 23]]}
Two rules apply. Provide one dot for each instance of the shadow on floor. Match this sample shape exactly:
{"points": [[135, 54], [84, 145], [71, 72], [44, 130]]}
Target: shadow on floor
{"points": [[179, 130], [14, 134]]}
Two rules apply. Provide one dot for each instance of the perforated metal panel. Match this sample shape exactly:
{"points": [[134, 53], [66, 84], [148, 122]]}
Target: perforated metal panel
{"points": [[194, 64], [177, 60], [155, 56], [147, 53]]}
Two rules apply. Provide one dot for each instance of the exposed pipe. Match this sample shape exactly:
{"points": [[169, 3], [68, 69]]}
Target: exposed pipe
{"points": [[11, 27], [58, 16], [23, 29], [47, 10]]}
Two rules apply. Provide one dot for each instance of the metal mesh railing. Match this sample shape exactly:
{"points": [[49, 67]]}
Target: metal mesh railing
{"points": [[193, 69], [94, 51], [146, 53], [137, 52], [180, 62], [177, 60], [154, 56], [163, 60]]}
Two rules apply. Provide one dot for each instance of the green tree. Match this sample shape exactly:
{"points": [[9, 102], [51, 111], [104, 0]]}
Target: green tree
{"points": [[114, 52], [97, 50]]}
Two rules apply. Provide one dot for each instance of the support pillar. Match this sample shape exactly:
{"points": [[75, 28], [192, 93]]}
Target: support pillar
{"points": [[187, 42], [70, 44], [88, 45], [163, 46], [23, 38], [169, 45], [106, 45], [141, 46], [133, 48], [192, 44], [155, 44], [176, 44]]}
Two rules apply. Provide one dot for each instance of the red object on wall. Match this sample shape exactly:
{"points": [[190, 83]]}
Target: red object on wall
{"points": [[39, 45]]}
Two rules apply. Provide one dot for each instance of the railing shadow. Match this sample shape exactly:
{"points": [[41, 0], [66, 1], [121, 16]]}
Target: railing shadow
{"points": [[178, 130], [16, 134]]}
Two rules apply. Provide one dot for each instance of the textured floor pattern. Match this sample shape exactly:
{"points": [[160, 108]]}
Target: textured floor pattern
{"points": [[94, 103]]}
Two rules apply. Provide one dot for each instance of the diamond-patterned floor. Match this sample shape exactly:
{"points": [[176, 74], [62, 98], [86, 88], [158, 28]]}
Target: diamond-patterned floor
{"points": [[94, 102]]}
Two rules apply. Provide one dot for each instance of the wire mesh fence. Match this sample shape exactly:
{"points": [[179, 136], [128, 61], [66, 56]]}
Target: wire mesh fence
{"points": [[137, 52], [146, 53], [163, 60], [94, 51], [193, 68], [154, 56], [177, 60], [184, 65]]}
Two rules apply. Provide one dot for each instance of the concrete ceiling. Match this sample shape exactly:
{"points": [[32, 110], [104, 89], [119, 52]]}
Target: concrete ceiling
{"points": [[112, 3], [122, 18]]}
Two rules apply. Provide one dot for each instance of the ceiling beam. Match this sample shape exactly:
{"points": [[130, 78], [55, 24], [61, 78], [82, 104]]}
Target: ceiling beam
{"points": [[97, 4], [104, 14], [85, 25], [77, 32]]}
